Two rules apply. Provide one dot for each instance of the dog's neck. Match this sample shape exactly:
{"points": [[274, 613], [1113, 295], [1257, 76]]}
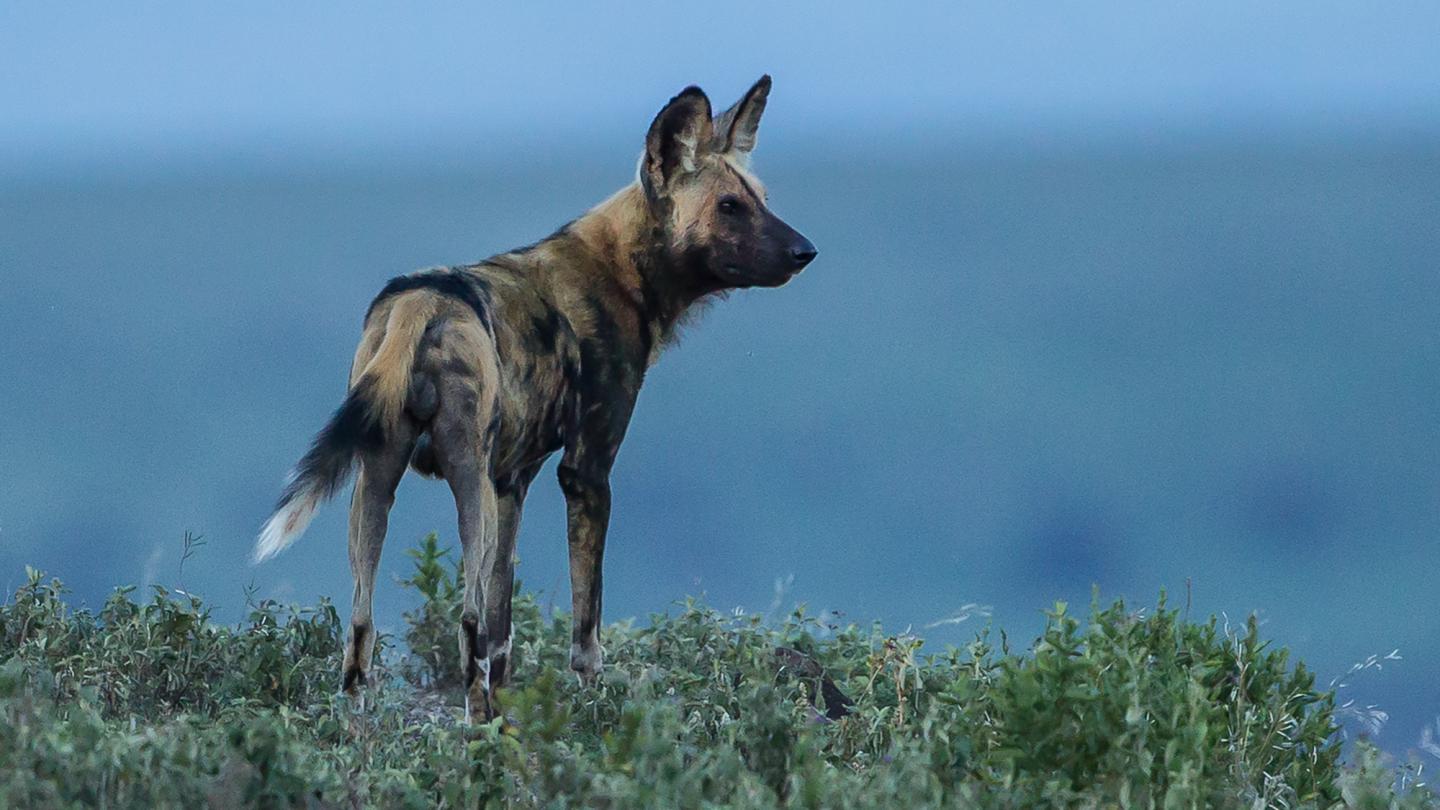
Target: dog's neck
{"points": [[627, 236]]}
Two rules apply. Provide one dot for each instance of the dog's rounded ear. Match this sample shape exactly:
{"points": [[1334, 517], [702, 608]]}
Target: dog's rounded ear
{"points": [[735, 128], [678, 138]]}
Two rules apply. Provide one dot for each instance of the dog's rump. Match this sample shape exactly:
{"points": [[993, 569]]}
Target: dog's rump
{"points": [[384, 385]]}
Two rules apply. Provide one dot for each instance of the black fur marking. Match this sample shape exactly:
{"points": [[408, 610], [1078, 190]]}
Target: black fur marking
{"points": [[653, 320], [423, 400], [478, 646], [508, 485], [570, 481], [456, 365], [453, 283], [582, 631], [359, 632], [327, 464], [567, 426], [355, 676], [602, 360], [650, 314], [571, 373], [545, 330], [424, 459], [491, 434]]}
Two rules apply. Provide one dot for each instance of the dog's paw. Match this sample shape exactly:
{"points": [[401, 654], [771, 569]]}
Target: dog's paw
{"points": [[587, 661]]}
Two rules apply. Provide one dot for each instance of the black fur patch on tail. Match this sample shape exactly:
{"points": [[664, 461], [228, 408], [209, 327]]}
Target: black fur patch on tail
{"points": [[452, 282], [326, 467]]}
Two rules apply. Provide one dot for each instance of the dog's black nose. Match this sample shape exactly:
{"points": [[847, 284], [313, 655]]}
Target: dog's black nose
{"points": [[803, 252]]}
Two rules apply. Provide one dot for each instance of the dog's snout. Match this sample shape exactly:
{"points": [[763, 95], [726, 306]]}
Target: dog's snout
{"points": [[803, 252]]}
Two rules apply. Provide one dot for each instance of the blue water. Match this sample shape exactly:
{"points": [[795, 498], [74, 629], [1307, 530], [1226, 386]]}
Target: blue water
{"points": [[1011, 374]]}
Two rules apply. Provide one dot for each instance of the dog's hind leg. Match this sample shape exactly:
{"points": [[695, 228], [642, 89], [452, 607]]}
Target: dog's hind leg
{"points": [[463, 435], [500, 579], [464, 457], [475, 502], [380, 473]]}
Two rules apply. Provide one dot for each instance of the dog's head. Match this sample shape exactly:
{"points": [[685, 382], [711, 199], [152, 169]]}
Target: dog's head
{"points": [[714, 219]]}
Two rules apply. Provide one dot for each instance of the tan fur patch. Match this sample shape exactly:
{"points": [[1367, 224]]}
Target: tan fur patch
{"points": [[388, 369]]}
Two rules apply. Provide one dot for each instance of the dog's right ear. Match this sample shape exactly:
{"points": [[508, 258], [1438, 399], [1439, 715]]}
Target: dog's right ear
{"points": [[678, 138], [735, 128]]}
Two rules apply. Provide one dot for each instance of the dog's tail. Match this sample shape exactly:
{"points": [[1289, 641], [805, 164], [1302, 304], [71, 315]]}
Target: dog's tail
{"points": [[370, 413]]}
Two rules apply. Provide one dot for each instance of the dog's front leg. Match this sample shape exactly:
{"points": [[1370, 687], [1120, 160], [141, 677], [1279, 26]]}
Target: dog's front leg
{"points": [[587, 501]]}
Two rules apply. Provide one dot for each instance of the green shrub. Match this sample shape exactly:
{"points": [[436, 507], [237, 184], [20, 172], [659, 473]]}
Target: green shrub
{"points": [[154, 705]]}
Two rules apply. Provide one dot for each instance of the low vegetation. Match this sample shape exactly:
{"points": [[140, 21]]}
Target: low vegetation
{"points": [[150, 703]]}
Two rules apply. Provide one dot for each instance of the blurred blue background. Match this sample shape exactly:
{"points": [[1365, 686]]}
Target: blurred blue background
{"points": [[1118, 294]]}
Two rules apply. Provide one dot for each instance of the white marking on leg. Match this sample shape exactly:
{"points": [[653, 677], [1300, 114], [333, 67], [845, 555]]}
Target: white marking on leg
{"points": [[482, 666], [500, 649]]}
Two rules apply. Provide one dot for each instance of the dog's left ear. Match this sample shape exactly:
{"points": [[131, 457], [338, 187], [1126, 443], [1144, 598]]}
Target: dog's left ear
{"points": [[735, 128]]}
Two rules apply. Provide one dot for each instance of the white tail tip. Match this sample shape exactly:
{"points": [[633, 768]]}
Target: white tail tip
{"points": [[285, 527]]}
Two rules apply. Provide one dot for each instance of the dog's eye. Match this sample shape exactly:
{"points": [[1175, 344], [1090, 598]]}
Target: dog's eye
{"points": [[730, 206]]}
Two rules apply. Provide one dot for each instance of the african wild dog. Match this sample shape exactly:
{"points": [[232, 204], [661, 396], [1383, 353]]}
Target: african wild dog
{"points": [[476, 374]]}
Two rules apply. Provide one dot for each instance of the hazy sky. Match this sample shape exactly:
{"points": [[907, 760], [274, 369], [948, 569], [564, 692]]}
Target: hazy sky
{"points": [[98, 83]]}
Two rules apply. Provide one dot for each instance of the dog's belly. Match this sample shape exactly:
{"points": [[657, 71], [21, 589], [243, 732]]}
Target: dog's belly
{"points": [[535, 413]]}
